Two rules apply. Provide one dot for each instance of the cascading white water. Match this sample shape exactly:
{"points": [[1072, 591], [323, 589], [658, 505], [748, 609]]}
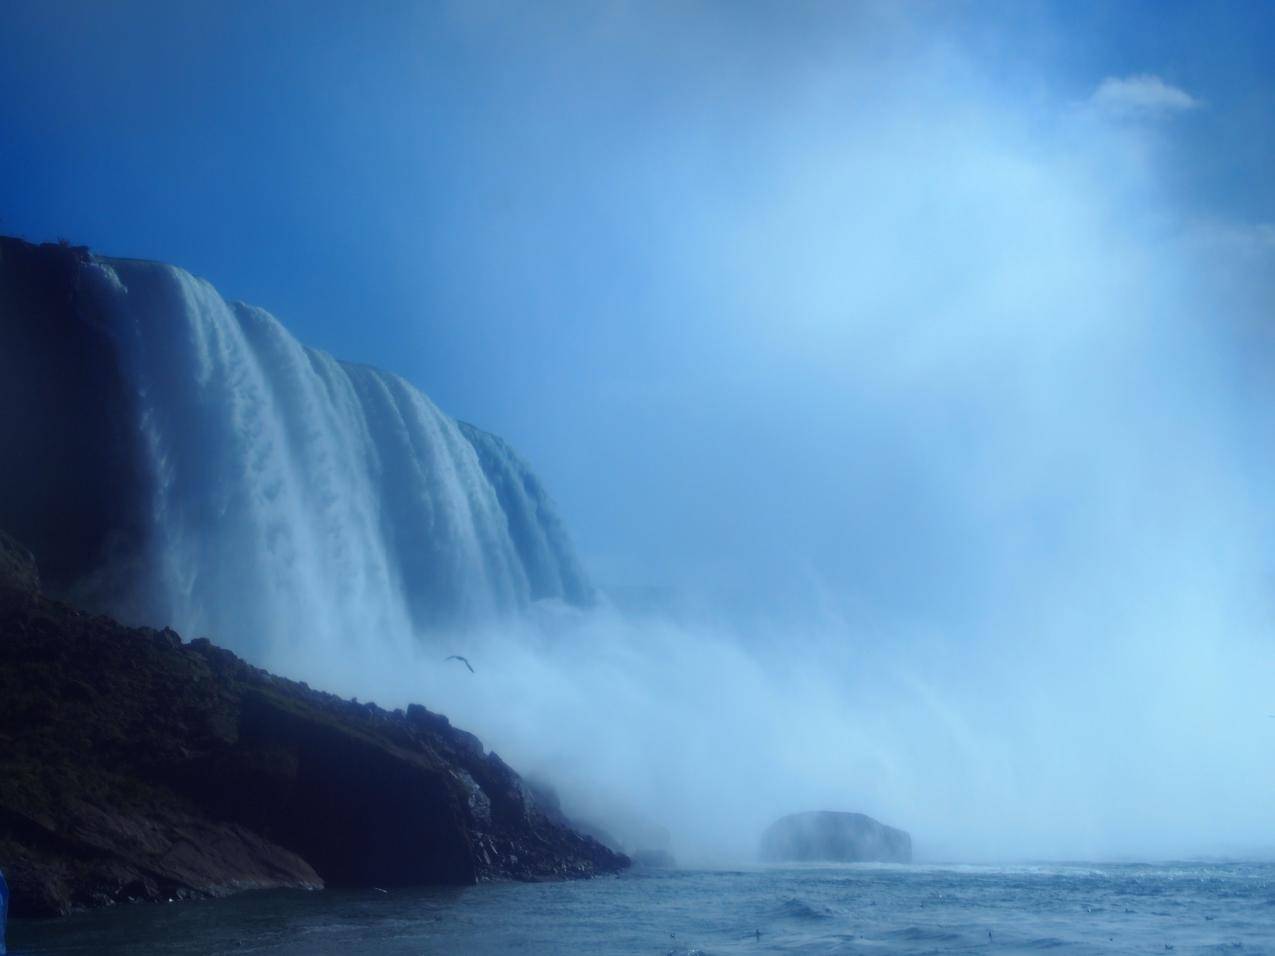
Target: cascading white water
{"points": [[301, 504]]}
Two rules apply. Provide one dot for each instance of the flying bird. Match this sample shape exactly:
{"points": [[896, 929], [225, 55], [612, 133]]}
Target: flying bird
{"points": [[463, 660]]}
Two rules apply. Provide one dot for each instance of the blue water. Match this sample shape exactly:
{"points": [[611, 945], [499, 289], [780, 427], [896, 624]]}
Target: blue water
{"points": [[1126, 908]]}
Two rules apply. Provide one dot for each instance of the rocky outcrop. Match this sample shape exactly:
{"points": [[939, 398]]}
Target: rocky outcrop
{"points": [[827, 835], [134, 766], [72, 488], [654, 859]]}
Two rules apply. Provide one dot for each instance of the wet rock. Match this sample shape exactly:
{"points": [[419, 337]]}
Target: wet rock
{"points": [[66, 412], [134, 766], [837, 837]]}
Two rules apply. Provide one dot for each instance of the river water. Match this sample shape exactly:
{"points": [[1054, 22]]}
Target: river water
{"points": [[1066, 908]]}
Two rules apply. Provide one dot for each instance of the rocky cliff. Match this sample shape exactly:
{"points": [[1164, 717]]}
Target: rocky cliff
{"points": [[73, 488], [834, 837], [136, 766]]}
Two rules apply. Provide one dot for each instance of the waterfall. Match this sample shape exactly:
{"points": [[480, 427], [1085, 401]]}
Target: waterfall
{"points": [[302, 504]]}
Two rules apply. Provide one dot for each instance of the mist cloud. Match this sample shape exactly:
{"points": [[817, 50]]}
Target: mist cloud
{"points": [[928, 395], [1143, 94]]}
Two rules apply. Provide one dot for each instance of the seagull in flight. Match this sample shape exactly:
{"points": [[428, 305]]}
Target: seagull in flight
{"points": [[463, 660]]}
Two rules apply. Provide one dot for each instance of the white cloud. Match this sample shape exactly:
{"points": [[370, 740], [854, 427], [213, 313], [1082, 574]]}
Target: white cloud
{"points": [[1142, 95], [1236, 241]]}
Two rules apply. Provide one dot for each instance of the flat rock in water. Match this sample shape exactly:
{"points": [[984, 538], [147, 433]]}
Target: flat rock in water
{"points": [[831, 836]]}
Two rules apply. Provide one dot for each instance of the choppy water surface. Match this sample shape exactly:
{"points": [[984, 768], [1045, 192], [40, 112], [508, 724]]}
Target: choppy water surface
{"points": [[1126, 908]]}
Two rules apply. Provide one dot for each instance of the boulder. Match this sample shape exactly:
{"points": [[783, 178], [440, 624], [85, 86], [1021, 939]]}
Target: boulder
{"points": [[832, 836]]}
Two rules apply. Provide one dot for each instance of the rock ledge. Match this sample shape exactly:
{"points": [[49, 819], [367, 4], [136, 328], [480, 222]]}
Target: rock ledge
{"points": [[134, 766]]}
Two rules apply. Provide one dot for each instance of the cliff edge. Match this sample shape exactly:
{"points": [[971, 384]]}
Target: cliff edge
{"points": [[136, 766]]}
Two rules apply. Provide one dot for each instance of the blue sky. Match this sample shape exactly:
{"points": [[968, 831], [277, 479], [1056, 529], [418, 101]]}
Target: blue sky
{"points": [[735, 277]]}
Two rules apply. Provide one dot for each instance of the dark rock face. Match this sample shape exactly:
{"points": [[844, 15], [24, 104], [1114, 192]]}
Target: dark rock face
{"points": [[837, 837], [65, 413], [134, 766], [17, 566]]}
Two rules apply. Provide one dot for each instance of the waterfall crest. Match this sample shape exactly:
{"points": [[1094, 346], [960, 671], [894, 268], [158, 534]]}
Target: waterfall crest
{"points": [[298, 502]]}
